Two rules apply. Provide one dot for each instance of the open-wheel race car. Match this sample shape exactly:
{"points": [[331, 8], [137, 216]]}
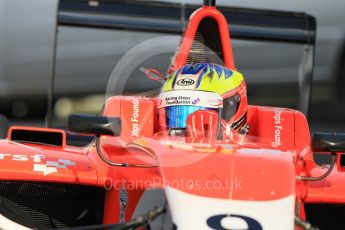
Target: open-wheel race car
{"points": [[215, 175]]}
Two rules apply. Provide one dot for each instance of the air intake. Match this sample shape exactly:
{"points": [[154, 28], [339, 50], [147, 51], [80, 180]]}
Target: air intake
{"points": [[44, 136], [207, 46]]}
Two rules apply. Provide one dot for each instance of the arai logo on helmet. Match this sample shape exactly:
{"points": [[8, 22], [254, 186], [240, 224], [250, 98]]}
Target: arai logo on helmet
{"points": [[185, 82]]}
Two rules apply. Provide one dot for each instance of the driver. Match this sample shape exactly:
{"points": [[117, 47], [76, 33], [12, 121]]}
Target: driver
{"points": [[198, 92]]}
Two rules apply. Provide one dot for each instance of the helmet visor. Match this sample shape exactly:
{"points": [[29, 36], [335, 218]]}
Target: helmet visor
{"points": [[176, 116]]}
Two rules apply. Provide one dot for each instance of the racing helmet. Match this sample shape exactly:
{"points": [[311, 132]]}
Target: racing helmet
{"points": [[202, 86]]}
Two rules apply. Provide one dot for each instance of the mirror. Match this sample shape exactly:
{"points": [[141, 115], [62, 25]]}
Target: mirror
{"points": [[94, 125], [328, 142]]}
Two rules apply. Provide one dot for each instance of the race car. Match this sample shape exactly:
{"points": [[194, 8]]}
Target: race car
{"points": [[261, 177]]}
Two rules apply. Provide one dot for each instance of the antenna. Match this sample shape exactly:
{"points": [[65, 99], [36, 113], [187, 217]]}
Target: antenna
{"points": [[209, 2]]}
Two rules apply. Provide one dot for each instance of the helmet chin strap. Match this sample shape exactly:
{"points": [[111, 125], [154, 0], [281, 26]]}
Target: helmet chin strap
{"points": [[228, 131], [228, 127]]}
